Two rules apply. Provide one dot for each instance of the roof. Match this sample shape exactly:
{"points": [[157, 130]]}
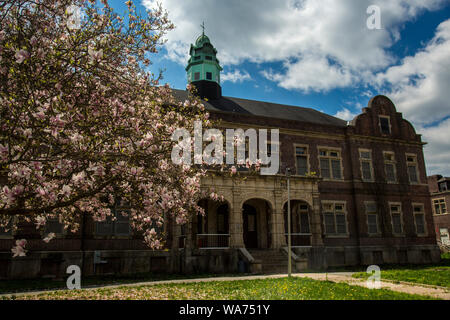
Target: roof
{"points": [[202, 40], [266, 109]]}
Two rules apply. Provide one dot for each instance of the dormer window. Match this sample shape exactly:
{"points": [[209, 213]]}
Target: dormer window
{"points": [[385, 125]]}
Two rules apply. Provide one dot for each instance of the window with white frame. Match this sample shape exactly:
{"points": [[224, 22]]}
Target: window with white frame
{"points": [[330, 164], [372, 218], [413, 174], [301, 160], [389, 167], [335, 218], [396, 217], [439, 206], [385, 125], [365, 158], [419, 219]]}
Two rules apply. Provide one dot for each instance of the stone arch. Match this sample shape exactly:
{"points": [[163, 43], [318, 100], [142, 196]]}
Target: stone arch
{"points": [[212, 230], [301, 217], [256, 215]]}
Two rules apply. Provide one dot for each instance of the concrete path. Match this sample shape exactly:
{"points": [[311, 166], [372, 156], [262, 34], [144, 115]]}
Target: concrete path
{"points": [[346, 277], [406, 287]]}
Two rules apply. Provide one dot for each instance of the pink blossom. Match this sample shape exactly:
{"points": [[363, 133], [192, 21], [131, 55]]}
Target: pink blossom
{"points": [[21, 55], [19, 249], [49, 237], [40, 221]]}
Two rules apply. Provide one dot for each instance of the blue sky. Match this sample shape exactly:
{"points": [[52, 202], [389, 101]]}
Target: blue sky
{"points": [[320, 54]]}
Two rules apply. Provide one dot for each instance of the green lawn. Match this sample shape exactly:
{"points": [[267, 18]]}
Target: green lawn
{"points": [[266, 289], [11, 286], [436, 275]]}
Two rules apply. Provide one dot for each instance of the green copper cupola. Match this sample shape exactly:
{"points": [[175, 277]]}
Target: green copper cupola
{"points": [[203, 69]]}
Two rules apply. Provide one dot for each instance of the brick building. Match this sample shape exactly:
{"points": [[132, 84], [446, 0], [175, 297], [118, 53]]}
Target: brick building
{"points": [[440, 200], [358, 190]]}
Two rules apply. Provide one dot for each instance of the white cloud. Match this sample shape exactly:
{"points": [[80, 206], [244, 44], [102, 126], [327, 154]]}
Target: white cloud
{"points": [[325, 44], [325, 35], [346, 114], [420, 85], [437, 151], [236, 76]]}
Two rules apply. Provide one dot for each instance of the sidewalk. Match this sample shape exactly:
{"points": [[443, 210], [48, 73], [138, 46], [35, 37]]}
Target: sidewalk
{"points": [[346, 277]]}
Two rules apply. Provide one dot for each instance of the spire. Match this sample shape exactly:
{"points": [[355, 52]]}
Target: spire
{"points": [[203, 69], [203, 28]]}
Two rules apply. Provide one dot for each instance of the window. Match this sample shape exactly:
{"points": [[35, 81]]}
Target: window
{"points": [[54, 226], [443, 186], [208, 76], [208, 58], [411, 162], [389, 167], [365, 158], [396, 216], [372, 217], [120, 226], [301, 158], [334, 217], [439, 206], [197, 76], [7, 232], [330, 164], [385, 125], [419, 219], [222, 219], [196, 58], [300, 218]]}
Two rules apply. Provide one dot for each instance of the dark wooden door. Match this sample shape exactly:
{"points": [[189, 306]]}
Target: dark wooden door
{"points": [[250, 227]]}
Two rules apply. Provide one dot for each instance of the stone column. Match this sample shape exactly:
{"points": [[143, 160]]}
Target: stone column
{"points": [[277, 222], [236, 222], [316, 225], [317, 256]]}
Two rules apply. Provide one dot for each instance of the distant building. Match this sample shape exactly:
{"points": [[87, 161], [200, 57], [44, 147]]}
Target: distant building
{"points": [[368, 202], [440, 199]]}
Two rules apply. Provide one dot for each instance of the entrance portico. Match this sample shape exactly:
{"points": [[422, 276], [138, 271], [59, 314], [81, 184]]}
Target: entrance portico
{"points": [[253, 215]]}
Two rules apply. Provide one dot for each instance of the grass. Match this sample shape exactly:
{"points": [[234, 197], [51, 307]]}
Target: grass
{"points": [[264, 289], [12, 286], [435, 275]]}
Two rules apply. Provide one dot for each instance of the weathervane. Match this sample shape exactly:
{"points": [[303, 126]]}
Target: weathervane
{"points": [[203, 27]]}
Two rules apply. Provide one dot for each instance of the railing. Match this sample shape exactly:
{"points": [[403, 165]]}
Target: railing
{"points": [[299, 239], [213, 241]]}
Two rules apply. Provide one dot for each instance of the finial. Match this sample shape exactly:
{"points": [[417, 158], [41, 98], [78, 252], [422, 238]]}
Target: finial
{"points": [[203, 27]]}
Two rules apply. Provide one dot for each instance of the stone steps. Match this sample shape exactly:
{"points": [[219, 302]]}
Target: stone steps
{"points": [[272, 261]]}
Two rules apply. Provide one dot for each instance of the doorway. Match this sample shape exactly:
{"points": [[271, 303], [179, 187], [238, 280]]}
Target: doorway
{"points": [[250, 227]]}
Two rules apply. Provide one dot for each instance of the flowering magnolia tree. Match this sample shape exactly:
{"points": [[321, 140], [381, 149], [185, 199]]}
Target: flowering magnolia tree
{"points": [[83, 126]]}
